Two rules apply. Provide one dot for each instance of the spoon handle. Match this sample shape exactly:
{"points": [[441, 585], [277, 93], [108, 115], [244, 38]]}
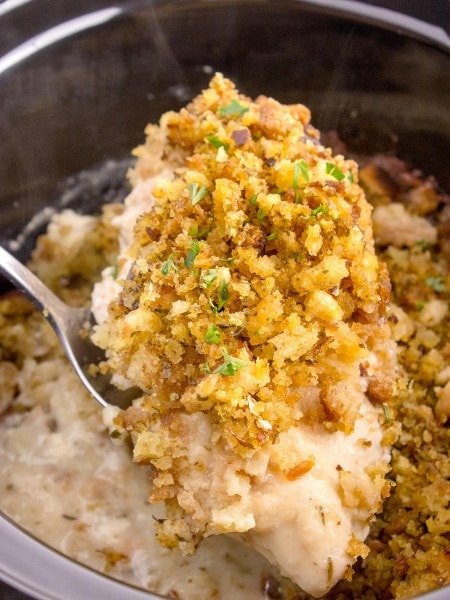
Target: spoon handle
{"points": [[23, 279], [68, 323]]}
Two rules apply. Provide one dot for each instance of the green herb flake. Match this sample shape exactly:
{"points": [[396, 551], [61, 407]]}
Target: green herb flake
{"points": [[213, 335], [420, 305], [387, 414], [424, 245], [351, 178], [199, 234], [252, 199], [193, 231], [223, 295], [216, 142], [334, 171], [192, 254], [227, 261], [320, 210], [300, 168], [203, 233], [261, 215], [197, 193], [436, 283], [207, 278], [230, 365], [272, 236], [168, 265], [233, 109]]}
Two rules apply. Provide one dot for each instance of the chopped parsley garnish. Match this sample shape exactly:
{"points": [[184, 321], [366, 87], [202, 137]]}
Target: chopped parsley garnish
{"points": [[216, 142], [191, 255], [227, 261], [199, 234], [213, 335], [252, 199], [230, 365], [436, 283], [207, 278], [300, 168], [319, 210], [420, 305], [233, 109], [351, 178], [272, 236], [424, 244], [168, 265], [261, 214], [387, 414], [197, 193], [334, 171], [223, 296], [193, 231]]}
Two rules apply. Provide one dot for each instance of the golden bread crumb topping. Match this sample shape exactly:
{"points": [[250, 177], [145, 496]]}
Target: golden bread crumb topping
{"points": [[253, 273]]}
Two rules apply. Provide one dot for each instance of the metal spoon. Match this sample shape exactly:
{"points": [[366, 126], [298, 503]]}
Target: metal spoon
{"points": [[68, 323]]}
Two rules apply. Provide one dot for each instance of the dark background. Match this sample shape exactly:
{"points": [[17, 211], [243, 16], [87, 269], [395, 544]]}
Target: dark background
{"points": [[436, 12]]}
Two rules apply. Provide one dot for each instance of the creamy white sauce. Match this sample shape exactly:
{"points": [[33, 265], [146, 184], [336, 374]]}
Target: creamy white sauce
{"points": [[64, 481]]}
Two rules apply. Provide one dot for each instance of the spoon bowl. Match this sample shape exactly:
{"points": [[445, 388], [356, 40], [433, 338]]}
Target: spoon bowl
{"points": [[72, 326]]}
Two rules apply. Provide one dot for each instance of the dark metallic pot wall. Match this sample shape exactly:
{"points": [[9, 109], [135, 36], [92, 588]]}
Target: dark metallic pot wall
{"points": [[86, 97]]}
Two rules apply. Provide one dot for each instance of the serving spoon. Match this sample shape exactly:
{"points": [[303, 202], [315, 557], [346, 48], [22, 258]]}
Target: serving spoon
{"points": [[69, 324]]}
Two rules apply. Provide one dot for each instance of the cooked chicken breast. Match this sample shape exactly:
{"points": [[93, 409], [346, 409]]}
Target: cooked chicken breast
{"points": [[249, 307]]}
